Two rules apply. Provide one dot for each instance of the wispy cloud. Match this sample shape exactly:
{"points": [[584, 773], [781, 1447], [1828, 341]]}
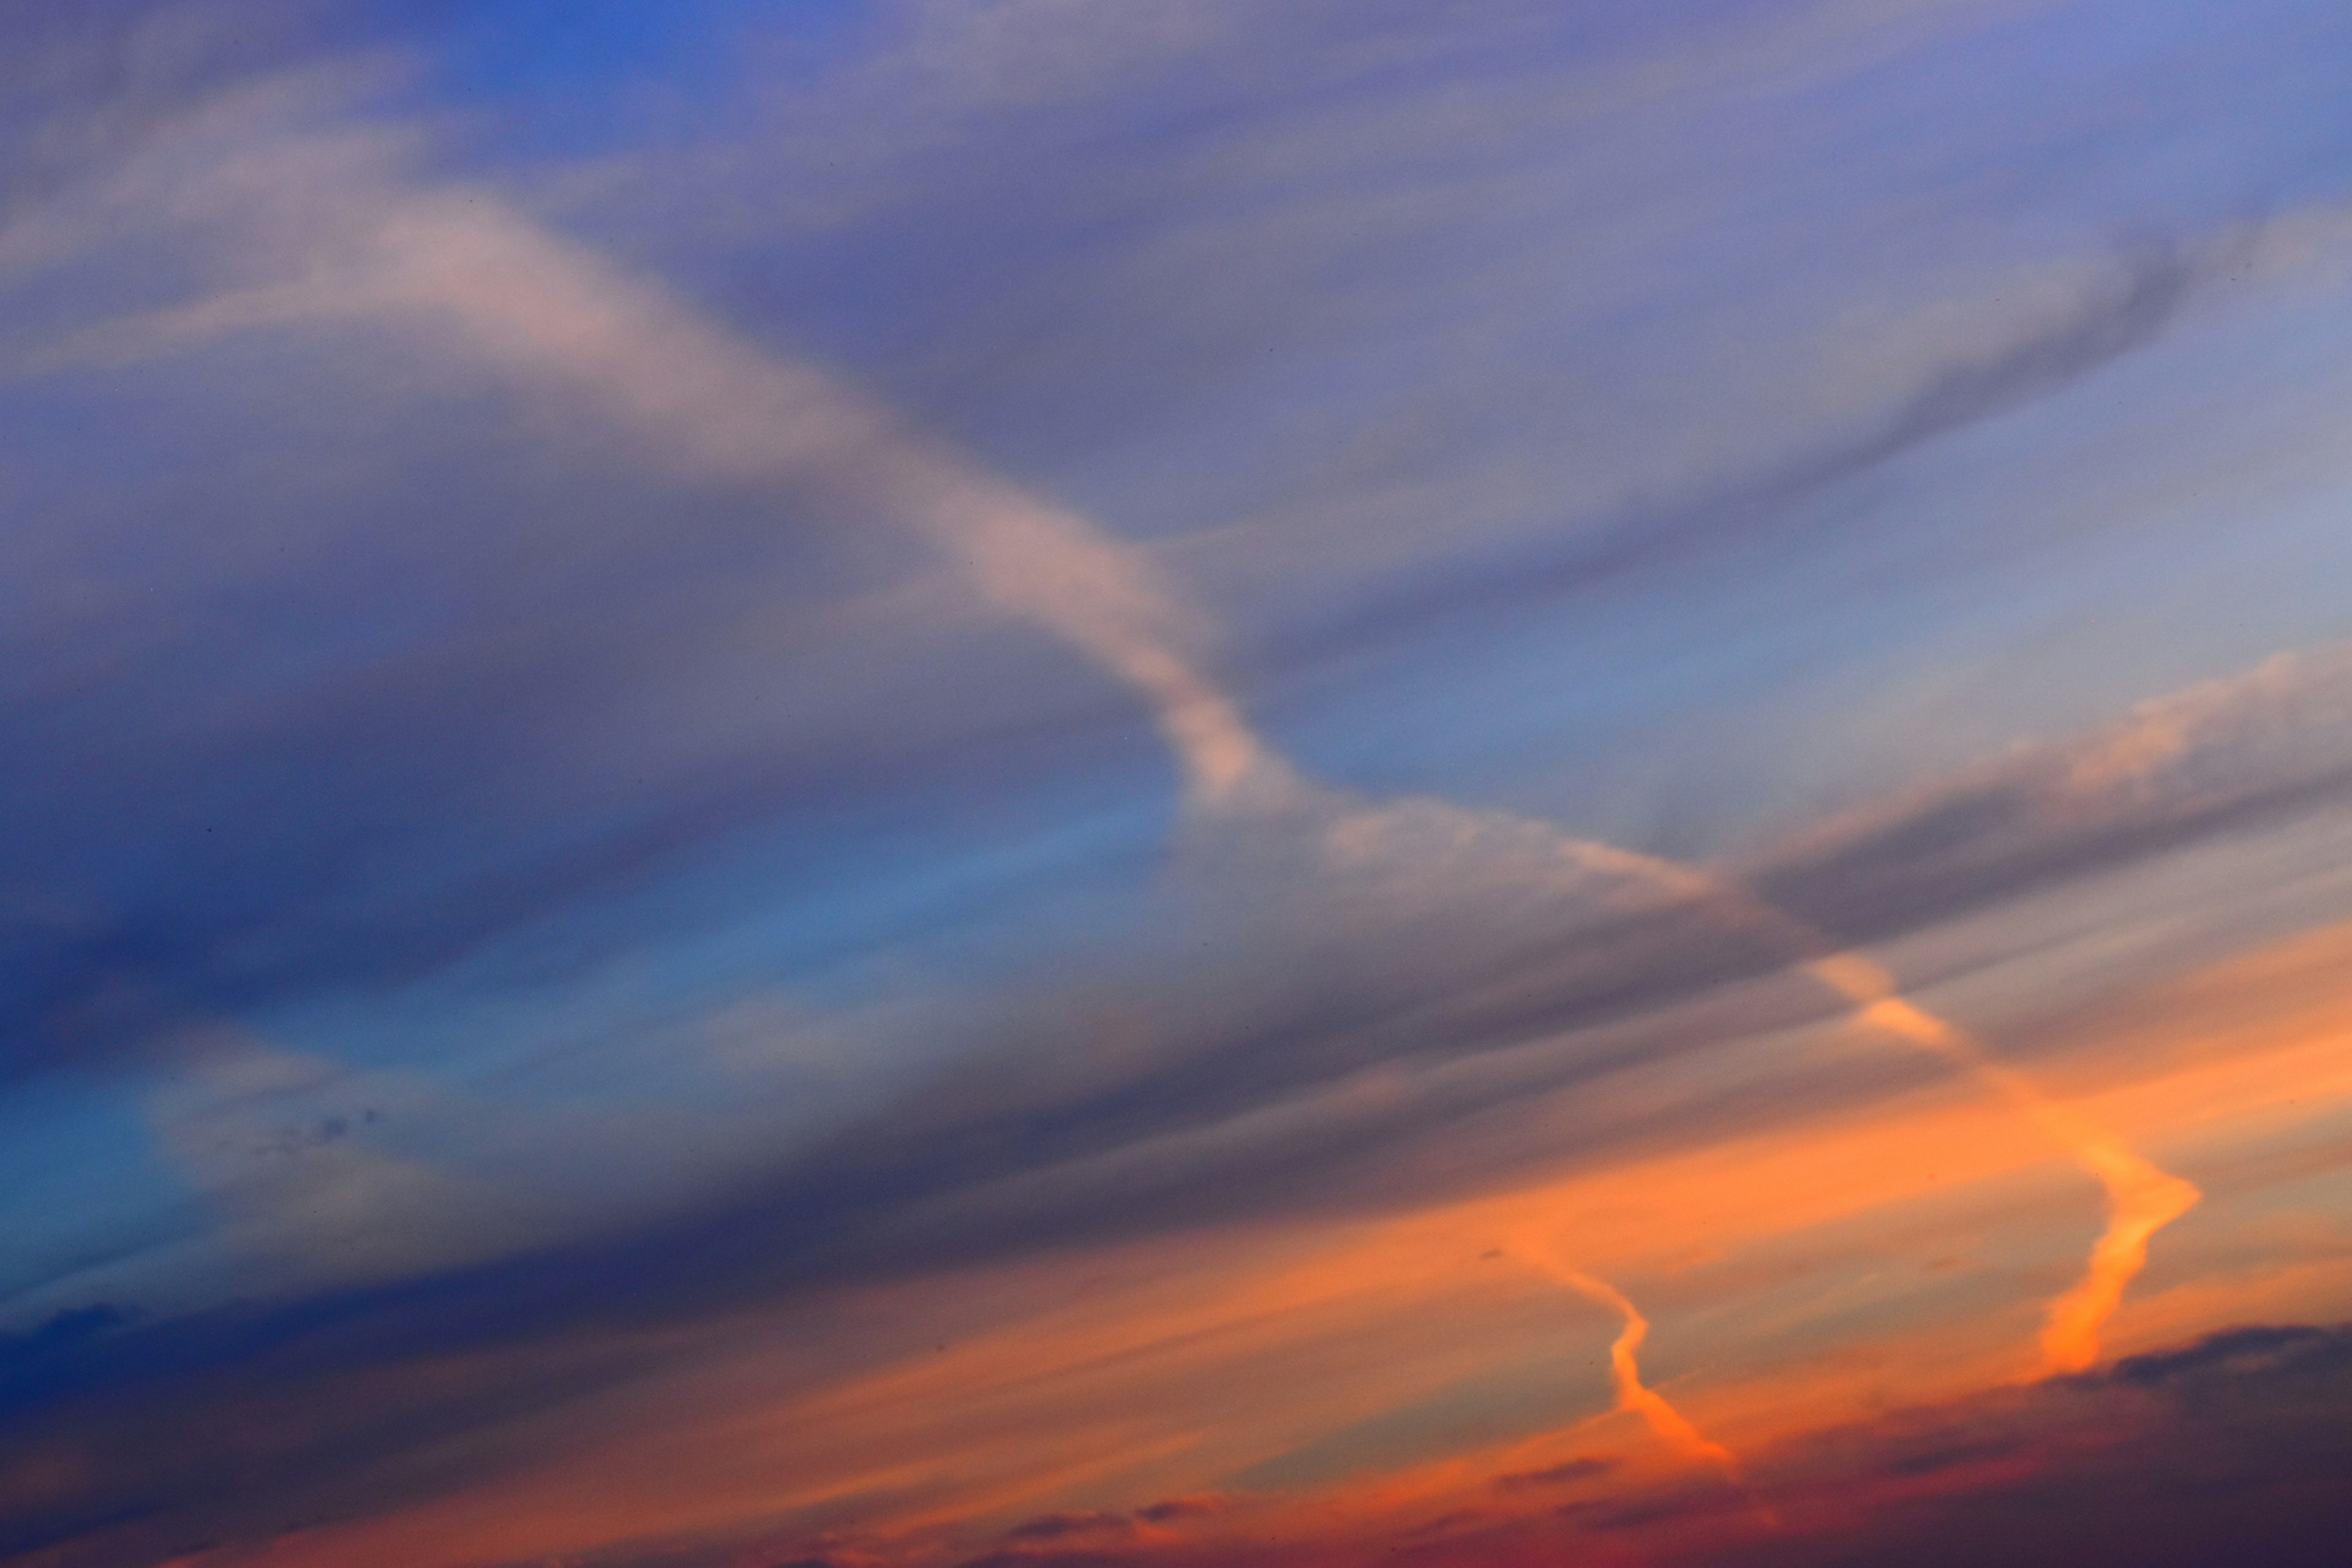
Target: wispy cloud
{"points": [[593, 836]]}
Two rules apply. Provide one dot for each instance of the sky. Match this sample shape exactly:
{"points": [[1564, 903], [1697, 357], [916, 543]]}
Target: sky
{"points": [[1175, 784]]}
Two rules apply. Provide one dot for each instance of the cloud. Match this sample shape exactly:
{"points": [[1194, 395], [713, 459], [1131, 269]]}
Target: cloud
{"points": [[531, 305], [363, 240], [2262, 1351], [1172, 1509], [293, 1152], [537, 1330], [21, 1354], [1057, 1526], [354, 244], [1565, 1474], [2084, 315], [2230, 1455], [2235, 750], [1362, 935], [1414, 934], [1342, 978], [2234, 1447], [1325, 980], [525, 302]]}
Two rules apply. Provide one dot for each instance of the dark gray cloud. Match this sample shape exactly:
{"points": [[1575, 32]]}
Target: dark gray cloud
{"points": [[2146, 290], [2229, 754], [1589, 1467], [2220, 1451], [1058, 1526]]}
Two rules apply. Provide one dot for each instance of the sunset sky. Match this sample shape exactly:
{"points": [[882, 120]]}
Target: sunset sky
{"points": [[1175, 784]]}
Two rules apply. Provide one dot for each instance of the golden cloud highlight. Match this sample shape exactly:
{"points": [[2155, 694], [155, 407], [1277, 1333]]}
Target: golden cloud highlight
{"points": [[1670, 1424], [1634, 1396], [2141, 1198]]}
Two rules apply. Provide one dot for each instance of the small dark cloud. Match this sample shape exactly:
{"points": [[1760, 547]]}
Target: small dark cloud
{"points": [[1932, 1461], [1170, 1509], [2237, 1351], [1056, 1526], [1447, 1524], [1583, 1468], [1674, 1507], [68, 1331], [74, 1323]]}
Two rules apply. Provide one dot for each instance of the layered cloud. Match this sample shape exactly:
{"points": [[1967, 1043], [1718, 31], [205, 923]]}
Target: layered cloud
{"points": [[659, 924], [2220, 754]]}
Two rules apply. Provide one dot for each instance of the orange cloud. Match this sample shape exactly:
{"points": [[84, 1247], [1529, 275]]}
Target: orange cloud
{"points": [[2141, 1199], [1093, 1382]]}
